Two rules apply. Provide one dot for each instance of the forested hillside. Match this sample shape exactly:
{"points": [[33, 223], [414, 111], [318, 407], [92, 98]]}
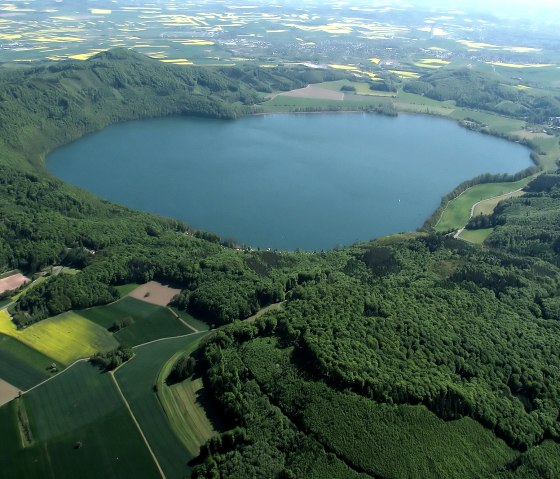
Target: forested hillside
{"points": [[415, 355], [47, 106], [424, 321], [488, 91]]}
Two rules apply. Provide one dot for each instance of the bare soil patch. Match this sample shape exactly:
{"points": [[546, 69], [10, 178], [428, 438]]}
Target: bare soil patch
{"points": [[13, 282], [7, 392], [315, 92], [154, 293]]}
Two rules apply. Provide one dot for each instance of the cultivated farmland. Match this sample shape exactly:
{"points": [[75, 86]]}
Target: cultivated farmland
{"points": [[145, 322], [21, 365], [154, 293], [64, 338], [183, 405], [7, 392], [137, 379], [73, 426], [12, 282]]}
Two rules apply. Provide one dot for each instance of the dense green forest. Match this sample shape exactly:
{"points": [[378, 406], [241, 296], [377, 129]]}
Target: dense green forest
{"points": [[407, 327], [415, 355]]}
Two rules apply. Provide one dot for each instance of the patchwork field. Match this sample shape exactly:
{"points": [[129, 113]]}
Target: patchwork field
{"points": [[137, 379], [154, 293], [146, 322], [65, 338], [73, 426]]}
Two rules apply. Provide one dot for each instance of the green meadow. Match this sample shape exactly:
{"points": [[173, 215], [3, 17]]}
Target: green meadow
{"points": [[458, 211]]}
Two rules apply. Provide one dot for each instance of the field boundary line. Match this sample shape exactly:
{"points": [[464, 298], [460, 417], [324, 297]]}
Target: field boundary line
{"points": [[166, 339], [87, 359], [56, 375], [115, 382]]}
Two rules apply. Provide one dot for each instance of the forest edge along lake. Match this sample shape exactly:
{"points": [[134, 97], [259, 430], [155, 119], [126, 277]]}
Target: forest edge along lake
{"points": [[286, 181]]}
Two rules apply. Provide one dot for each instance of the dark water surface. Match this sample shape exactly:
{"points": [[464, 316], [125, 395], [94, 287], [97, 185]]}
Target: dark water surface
{"points": [[286, 181]]}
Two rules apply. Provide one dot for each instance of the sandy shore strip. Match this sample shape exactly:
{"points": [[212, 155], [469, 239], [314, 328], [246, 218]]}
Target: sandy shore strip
{"points": [[7, 392], [154, 293], [13, 282], [315, 92]]}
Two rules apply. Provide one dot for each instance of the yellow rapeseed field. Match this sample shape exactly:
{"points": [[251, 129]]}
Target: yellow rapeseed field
{"points": [[65, 338]]}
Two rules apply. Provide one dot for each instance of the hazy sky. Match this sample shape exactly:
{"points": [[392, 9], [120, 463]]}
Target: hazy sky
{"points": [[547, 10], [504, 5]]}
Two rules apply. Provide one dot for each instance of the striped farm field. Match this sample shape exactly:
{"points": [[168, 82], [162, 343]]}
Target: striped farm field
{"points": [[137, 379], [77, 426], [21, 365], [183, 407], [65, 338]]}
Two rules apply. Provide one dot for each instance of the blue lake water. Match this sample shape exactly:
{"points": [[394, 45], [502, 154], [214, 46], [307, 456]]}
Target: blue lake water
{"points": [[286, 181]]}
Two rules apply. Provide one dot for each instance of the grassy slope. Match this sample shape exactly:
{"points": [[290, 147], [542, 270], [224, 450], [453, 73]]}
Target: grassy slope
{"points": [[458, 211], [79, 405], [183, 408], [137, 379], [487, 207], [64, 338], [21, 365], [149, 321], [476, 236]]}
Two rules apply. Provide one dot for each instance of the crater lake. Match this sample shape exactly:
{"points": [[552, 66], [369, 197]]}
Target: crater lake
{"points": [[286, 181]]}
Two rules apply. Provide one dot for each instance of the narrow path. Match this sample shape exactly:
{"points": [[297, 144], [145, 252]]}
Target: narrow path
{"points": [[182, 320], [137, 424], [459, 231], [55, 375]]}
